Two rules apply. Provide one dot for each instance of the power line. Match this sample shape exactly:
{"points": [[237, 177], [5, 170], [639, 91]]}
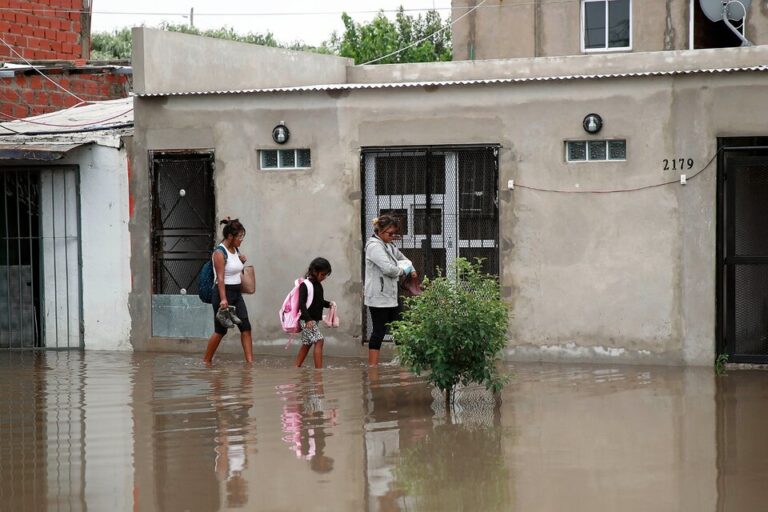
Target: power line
{"points": [[617, 191], [76, 125], [81, 100], [506, 5], [442, 29]]}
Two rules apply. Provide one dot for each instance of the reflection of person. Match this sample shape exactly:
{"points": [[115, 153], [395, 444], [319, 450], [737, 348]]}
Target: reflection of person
{"points": [[227, 291], [233, 432], [310, 318], [381, 280], [304, 419]]}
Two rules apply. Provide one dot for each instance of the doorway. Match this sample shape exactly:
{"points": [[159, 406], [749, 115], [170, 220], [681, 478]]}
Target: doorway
{"points": [[743, 249], [446, 198]]}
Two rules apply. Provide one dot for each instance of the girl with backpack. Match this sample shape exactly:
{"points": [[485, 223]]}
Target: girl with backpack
{"points": [[319, 269], [228, 304], [384, 264]]}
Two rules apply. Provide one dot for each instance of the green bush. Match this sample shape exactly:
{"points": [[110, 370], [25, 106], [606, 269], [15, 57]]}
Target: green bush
{"points": [[455, 329]]}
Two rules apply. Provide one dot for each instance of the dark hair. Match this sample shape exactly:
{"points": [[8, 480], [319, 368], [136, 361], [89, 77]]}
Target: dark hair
{"points": [[231, 227], [384, 221], [318, 265]]}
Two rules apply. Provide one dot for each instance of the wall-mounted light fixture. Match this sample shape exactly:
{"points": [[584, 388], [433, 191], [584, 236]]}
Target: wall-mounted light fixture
{"points": [[592, 123], [280, 133]]}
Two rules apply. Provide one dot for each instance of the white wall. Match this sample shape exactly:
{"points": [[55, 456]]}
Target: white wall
{"points": [[105, 245]]}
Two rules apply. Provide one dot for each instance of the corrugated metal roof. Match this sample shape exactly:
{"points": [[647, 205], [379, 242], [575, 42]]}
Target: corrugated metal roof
{"points": [[100, 115], [43, 152], [398, 85]]}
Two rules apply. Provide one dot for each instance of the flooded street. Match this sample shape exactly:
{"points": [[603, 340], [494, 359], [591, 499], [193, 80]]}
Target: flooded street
{"points": [[161, 432]]}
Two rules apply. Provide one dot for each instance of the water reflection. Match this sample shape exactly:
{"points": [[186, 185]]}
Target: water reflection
{"points": [[305, 417], [157, 432]]}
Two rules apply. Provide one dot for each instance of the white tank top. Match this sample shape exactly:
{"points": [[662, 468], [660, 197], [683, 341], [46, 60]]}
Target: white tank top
{"points": [[233, 267]]}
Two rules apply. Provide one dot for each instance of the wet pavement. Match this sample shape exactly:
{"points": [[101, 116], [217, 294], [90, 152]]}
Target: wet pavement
{"points": [[162, 432]]}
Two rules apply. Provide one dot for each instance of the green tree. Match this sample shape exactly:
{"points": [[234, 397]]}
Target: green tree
{"points": [[382, 37], [115, 45], [455, 330]]}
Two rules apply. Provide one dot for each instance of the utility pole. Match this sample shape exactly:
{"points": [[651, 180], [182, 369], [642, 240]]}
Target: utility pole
{"points": [[191, 17]]}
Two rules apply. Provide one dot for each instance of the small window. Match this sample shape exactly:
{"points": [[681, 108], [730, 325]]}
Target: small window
{"points": [[285, 159], [606, 25], [595, 150]]}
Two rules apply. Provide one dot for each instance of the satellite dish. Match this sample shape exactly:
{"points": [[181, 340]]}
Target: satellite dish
{"points": [[736, 9]]}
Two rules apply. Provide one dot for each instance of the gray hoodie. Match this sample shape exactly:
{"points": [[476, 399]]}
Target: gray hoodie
{"points": [[381, 273]]}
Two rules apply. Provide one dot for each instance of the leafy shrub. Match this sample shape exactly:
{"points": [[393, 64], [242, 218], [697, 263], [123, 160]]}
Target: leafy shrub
{"points": [[455, 329]]}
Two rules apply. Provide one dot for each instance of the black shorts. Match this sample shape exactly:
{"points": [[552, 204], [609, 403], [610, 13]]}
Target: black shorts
{"points": [[235, 298]]}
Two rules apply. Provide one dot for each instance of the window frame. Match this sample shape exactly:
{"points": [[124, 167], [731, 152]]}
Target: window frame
{"points": [[587, 160], [280, 167], [606, 49]]}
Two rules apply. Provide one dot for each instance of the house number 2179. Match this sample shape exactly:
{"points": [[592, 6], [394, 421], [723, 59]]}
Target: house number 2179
{"points": [[677, 164]]}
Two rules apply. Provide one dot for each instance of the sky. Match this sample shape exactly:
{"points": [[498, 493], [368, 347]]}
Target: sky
{"points": [[308, 21]]}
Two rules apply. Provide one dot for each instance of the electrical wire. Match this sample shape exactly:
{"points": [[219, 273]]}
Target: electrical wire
{"points": [[505, 5], [442, 29], [41, 123], [618, 191], [81, 100]]}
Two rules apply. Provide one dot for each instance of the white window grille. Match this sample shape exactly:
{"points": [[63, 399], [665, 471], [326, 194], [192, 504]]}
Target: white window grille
{"points": [[595, 150], [285, 159], [606, 25]]}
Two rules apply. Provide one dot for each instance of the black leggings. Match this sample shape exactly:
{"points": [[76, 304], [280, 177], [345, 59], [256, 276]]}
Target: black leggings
{"points": [[235, 298], [381, 318]]}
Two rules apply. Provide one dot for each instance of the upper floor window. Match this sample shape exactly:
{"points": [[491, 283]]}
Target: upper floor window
{"points": [[606, 25]]}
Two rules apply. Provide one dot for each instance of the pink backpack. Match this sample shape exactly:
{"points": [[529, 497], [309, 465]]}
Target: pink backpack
{"points": [[290, 312]]}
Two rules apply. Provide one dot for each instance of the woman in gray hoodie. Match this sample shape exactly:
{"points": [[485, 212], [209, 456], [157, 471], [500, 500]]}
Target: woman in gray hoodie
{"points": [[382, 272]]}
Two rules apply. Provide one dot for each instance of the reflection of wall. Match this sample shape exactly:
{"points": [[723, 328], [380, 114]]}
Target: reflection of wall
{"points": [[622, 439], [742, 423]]}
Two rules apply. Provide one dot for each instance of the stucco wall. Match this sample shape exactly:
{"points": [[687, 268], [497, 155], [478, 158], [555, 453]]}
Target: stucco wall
{"points": [[105, 245], [627, 276], [167, 62], [508, 29]]}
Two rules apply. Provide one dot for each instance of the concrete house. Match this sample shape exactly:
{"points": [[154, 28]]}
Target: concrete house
{"points": [[617, 193], [64, 241]]}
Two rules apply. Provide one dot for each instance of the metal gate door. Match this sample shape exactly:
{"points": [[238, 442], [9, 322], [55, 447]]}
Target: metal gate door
{"points": [[183, 220], [40, 300], [445, 197], [183, 233], [744, 216]]}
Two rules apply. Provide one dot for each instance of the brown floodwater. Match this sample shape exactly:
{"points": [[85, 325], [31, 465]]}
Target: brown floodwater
{"points": [[162, 432]]}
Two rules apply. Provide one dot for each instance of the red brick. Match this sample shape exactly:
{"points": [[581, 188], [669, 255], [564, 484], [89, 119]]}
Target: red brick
{"points": [[69, 100], [27, 31], [36, 82], [91, 88], [28, 97], [10, 96], [56, 99], [21, 18], [21, 111]]}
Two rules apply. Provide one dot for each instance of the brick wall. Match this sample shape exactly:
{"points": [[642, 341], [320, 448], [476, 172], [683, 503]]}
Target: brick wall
{"points": [[29, 94], [48, 29]]}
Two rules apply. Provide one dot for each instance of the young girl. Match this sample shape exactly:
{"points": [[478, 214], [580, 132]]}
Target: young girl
{"points": [[310, 318]]}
